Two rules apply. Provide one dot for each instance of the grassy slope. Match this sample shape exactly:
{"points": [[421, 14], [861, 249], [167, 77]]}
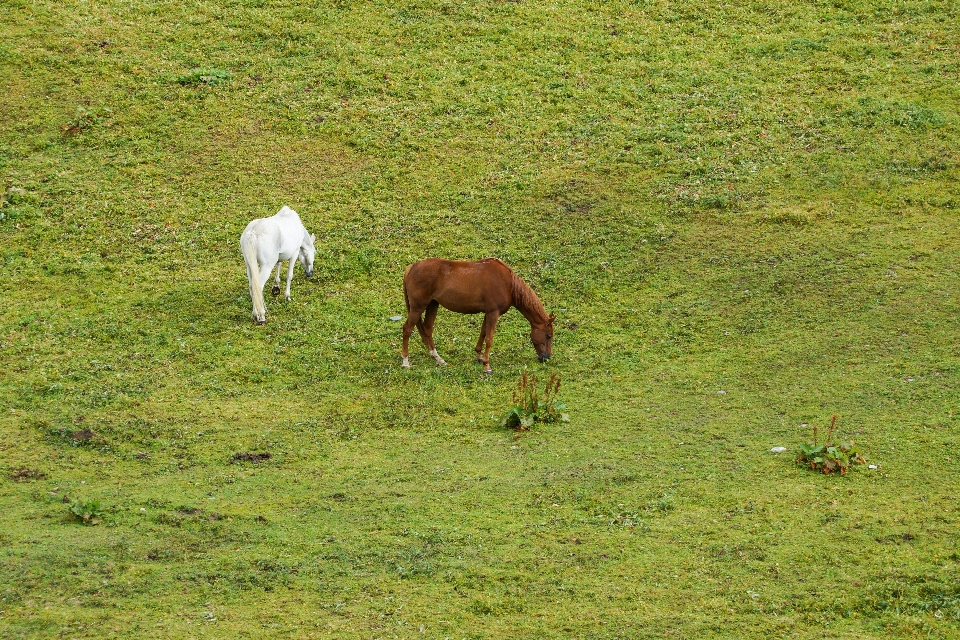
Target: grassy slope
{"points": [[742, 198]]}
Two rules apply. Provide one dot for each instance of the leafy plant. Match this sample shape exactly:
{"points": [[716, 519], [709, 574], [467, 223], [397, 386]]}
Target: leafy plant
{"points": [[830, 456], [85, 119], [528, 407], [86, 511], [12, 196], [202, 76]]}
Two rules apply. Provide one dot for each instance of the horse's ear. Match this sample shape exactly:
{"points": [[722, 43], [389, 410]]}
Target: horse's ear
{"points": [[312, 237], [551, 317]]}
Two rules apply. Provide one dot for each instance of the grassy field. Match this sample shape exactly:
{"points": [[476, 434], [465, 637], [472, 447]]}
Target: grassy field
{"points": [[744, 215]]}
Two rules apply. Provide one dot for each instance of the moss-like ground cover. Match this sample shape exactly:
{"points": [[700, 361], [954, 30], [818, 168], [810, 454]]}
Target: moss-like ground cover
{"points": [[743, 214]]}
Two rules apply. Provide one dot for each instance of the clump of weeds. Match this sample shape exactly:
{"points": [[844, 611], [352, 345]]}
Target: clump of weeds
{"points": [[528, 407], [829, 456], [85, 119], [202, 76], [86, 511]]}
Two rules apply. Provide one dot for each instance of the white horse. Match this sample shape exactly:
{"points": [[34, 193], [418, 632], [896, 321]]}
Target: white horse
{"points": [[267, 242]]}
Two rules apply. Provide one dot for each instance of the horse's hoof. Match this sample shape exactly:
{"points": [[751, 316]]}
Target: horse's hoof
{"points": [[441, 363], [275, 291], [488, 372], [261, 322]]}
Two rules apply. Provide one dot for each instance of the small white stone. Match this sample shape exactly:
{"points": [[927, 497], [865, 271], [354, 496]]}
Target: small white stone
{"points": [[514, 447], [778, 450], [872, 466], [396, 318], [143, 510], [721, 392]]}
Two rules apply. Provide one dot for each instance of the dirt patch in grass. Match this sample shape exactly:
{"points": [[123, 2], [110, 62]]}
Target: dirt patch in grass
{"points": [[23, 474], [193, 511], [248, 456]]}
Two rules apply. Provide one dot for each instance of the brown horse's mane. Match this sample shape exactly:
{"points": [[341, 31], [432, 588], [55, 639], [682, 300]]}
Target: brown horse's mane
{"points": [[524, 298]]}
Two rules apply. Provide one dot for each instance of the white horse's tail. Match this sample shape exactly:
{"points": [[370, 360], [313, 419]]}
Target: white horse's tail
{"points": [[248, 245]]}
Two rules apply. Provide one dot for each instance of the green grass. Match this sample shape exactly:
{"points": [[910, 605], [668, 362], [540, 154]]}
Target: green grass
{"points": [[744, 216]]}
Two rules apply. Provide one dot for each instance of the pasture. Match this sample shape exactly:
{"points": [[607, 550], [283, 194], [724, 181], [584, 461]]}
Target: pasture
{"points": [[744, 216]]}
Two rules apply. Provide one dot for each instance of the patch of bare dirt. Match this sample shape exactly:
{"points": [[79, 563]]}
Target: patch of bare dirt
{"points": [[24, 474], [248, 456]]}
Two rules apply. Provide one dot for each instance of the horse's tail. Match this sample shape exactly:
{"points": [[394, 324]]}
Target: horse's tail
{"points": [[406, 297], [248, 246]]}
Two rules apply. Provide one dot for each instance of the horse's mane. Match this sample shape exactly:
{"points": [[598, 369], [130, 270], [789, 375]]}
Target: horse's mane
{"points": [[524, 297]]}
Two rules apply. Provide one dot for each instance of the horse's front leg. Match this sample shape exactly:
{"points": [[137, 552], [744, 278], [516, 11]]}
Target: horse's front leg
{"points": [[276, 285], [293, 263], [480, 340], [489, 326]]}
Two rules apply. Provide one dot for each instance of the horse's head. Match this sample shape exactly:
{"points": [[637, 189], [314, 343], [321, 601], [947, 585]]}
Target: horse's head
{"points": [[541, 334], [307, 251]]}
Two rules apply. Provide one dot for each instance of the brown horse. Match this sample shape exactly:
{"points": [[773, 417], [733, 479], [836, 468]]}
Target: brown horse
{"points": [[486, 286]]}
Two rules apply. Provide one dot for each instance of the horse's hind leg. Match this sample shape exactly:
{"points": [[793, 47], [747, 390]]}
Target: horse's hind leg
{"points": [[265, 275], [260, 317], [253, 296], [413, 320], [426, 330]]}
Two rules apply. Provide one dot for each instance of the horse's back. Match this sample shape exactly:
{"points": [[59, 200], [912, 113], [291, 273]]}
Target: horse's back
{"points": [[285, 220], [260, 230], [467, 287], [276, 237], [445, 265], [440, 269], [286, 213]]}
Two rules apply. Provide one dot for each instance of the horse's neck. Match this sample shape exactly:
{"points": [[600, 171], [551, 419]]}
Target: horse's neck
{"points": [[527, 302], [532, 316]]}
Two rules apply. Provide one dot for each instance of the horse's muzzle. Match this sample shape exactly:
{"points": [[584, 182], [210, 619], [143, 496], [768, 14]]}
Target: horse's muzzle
{"points": [[310, 273], [543, 358]]}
